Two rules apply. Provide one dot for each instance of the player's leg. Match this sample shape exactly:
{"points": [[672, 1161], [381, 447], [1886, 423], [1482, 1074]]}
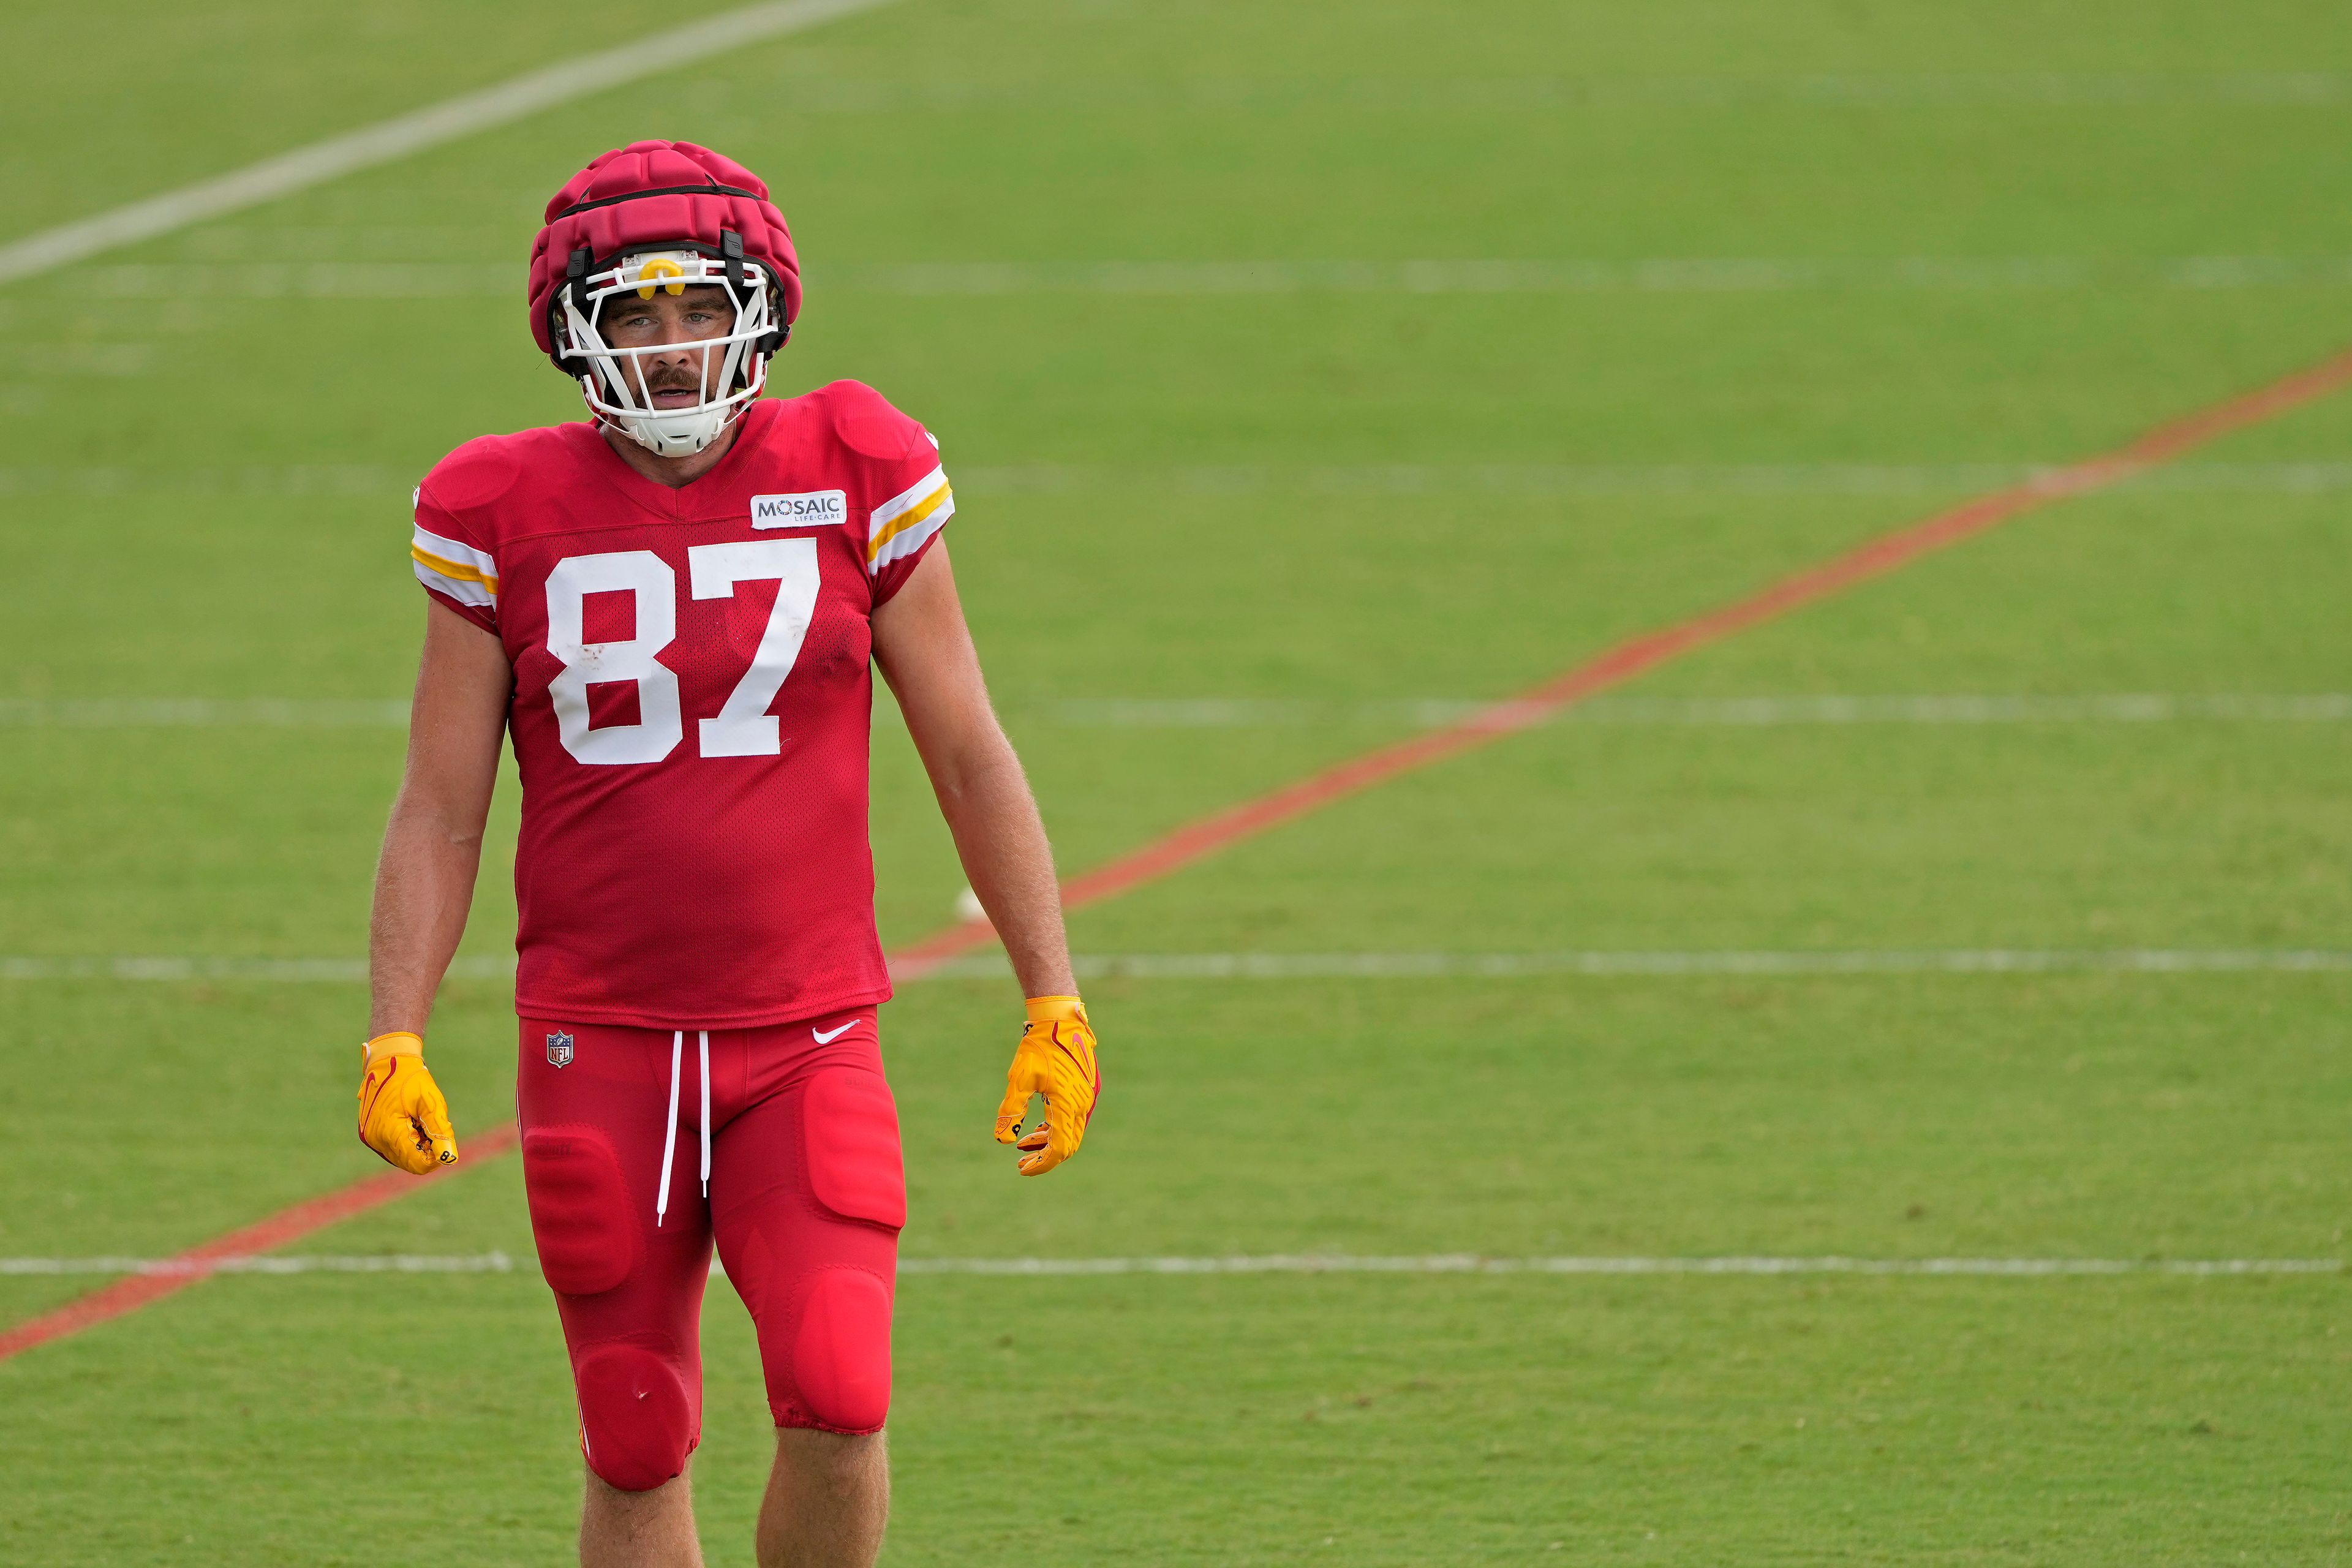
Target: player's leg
{"points": [[807, 1195], [594, 1105], [828, 1499], [638, 1530]]}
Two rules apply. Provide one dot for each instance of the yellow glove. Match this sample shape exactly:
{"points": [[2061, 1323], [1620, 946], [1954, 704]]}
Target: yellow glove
{"points": [[1055, 1058], [401, 1114]]}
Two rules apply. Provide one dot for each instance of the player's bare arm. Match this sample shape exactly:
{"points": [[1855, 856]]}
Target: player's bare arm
{"points": [[425, 881], [926, 654], [925, 651]]}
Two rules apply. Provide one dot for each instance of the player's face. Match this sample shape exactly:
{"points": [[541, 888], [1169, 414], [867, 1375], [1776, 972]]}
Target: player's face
{"points": [[677, 376]]}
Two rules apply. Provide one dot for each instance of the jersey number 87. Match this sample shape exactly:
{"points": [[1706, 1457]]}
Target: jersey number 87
{"points": [[744, 727]]}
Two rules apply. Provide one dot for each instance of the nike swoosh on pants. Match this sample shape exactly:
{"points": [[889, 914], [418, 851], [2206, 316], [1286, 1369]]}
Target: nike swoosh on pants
{"points": [[822, 1038]]}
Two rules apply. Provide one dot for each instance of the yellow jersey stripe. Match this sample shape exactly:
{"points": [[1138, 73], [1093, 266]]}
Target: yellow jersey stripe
{"points": [[472, 595], [456, 570], [912, 517], [913, 495]]}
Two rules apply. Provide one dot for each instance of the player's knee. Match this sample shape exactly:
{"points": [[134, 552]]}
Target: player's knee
{"points": [[637, 1424], [840, 1354], [579, 1210], [850, 1129], [831, 1463]]}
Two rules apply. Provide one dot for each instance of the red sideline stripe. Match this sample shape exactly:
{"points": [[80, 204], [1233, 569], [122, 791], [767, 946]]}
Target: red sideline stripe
{"points": [[1186, 845], [287, 1225], [1647, 652]]}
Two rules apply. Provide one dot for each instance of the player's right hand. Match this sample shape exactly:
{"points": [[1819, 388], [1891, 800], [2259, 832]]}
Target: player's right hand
{"points": [[401, 1114]]}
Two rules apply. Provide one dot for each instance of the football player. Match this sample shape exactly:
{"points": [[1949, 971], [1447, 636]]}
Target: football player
{"points": [[674, 608]]}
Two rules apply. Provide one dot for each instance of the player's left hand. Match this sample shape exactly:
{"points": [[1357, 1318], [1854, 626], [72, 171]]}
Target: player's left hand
{"points": [[1055, 1058], [403, 1116]]}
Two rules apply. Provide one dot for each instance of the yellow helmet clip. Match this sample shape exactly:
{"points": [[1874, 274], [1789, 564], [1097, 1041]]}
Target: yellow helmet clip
{"points": [[659, 267]]}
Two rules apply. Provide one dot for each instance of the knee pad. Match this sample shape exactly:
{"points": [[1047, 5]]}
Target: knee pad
{"points": [[636, 1425], [579, 1210], [850, 1130], [841, 1353]]}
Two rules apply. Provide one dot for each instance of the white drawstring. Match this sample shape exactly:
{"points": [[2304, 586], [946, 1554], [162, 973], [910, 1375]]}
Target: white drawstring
{"points": [[669, 1138]]}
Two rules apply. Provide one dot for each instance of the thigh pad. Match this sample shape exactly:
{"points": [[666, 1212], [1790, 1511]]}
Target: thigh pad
{"points": [[849, 1129], [579, 1210]]}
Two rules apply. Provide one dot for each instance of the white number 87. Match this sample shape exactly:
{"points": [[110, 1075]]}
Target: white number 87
{"points": [[744, 727]]}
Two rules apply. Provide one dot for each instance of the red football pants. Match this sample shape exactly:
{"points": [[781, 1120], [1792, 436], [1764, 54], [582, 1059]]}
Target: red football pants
{"points": [[806, 1196]]}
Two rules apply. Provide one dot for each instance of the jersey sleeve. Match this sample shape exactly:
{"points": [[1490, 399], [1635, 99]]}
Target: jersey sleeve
{"points": [[903, 527], [902, 461], [450, 558]]}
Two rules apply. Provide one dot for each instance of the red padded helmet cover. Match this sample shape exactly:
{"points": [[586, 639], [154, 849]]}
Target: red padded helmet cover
{"points": [[694, 217]]}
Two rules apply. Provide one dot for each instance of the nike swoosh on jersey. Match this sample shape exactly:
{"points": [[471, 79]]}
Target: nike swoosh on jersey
{"points": [[824, 1039]]}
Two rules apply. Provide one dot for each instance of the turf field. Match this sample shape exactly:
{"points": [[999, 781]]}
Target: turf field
{"points": [[1304, 370]]}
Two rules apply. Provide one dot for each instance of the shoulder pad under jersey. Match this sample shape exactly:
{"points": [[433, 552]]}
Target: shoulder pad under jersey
{"points": [[868, 423], [478, 473]]}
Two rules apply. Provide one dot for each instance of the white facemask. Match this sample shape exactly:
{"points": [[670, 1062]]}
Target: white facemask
{"points": [[610, 384]]}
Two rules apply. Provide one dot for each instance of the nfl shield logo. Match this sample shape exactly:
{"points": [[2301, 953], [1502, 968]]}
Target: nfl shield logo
{"points": [[559, 1049]]}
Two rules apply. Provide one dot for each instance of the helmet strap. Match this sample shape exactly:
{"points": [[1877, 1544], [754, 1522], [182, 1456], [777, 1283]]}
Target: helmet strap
{"points": [[731, 247], [575, 279]]}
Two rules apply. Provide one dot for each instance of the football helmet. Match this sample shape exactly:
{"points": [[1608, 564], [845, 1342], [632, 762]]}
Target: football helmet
{"points": [[664, 215]]}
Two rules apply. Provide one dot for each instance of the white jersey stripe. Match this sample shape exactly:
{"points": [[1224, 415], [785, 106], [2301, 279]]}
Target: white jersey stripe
{"points": [[466, 589], [898, 527], [456, 551], [910, 538], [453, 567], [906, 501]]}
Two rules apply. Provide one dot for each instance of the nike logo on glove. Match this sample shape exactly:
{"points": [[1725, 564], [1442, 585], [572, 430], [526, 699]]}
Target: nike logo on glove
{"points": [[824, 1039]]}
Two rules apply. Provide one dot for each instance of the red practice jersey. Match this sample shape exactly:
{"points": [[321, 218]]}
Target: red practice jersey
{"points": [[692, 700]]}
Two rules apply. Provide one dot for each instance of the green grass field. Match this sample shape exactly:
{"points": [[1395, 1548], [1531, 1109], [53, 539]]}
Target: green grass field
{"points": [[1782, 278]]}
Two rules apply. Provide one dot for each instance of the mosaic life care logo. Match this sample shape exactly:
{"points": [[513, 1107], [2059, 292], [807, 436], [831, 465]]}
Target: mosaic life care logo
{"points": [[809, 509]]}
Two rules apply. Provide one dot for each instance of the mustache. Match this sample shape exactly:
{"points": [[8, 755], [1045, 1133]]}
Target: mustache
{"points": [[676, 377]]}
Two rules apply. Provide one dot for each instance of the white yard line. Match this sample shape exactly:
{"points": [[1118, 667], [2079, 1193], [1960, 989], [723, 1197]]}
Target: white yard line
{"points": [[1471, 1263], [1278, 1263], [1655, 275], [371, 480], [1853, 479], [417, 130], [1487, 95], [1283, 713], [1276, 276], [1866, 480], [1341, 965], [1504, 965], [203, 713], [270, 1263], [307, 281], [276, 971], [1742, 712]]}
